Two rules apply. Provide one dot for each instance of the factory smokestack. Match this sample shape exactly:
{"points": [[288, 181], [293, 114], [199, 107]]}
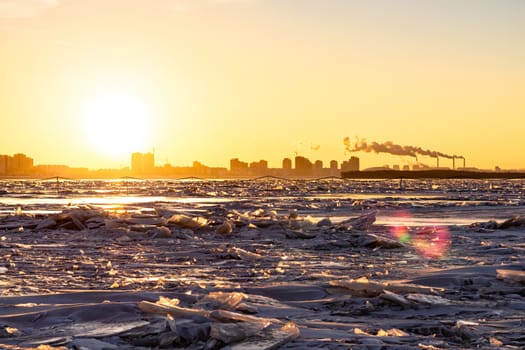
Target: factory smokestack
{"points": [[464, 162], [437, 162], [454, 163], [391, 148]]}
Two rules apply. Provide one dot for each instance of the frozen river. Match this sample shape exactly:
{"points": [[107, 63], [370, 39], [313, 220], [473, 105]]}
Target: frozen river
{"points": [[410, 203], [346, 264]]}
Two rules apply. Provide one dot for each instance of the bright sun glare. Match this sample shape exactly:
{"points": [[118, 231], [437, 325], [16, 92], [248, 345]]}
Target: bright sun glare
{"points": [[116, 124]]}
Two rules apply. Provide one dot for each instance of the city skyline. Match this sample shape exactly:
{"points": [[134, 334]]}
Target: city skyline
{"points": [[144, 165], [86, 83]]}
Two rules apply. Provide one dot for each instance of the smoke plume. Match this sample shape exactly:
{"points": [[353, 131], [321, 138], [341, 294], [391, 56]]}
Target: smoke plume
{"points": [[392, 148]]}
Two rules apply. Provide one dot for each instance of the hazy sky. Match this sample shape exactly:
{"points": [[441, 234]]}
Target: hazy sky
{"points": [[85, 82]]}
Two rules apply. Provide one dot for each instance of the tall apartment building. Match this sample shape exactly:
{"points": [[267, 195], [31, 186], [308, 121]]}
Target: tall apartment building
{"points": [[18, 164], [303, 166], [238, 168], [142, 163], [351, 165], [287, 164]]}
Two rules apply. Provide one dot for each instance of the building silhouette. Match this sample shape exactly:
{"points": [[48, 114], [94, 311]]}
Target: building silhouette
{"points": [[286, 169], [350, 165], [303, 166], [142, 163], [259, 168], [238, 168], [21, 164], [3, 164], [18, 164], [149, 163]]}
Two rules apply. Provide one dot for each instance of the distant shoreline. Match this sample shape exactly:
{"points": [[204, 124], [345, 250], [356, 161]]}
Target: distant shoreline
{"points": [[169, 178], [431, 174], [366, 174]]}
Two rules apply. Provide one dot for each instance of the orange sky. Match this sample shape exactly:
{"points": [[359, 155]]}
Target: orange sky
{"points": [[85, 83]]}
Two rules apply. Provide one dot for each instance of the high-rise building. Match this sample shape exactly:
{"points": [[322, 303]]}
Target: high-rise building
{"points": [[334, 165], [259, 168], [3, 164], [142, 163], [22, 163], [354, 163], [149, 163], [260, 165], [303, 166], [351, 165], [18, 164], [236, 165], [136, 163], [287, 163], [200, 169], [318, 164]]}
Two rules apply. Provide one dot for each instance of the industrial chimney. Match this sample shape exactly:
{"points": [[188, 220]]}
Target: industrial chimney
{"points": [[437, 162], [453, 163]]}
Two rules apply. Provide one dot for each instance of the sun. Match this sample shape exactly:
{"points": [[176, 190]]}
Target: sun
{"points": [[116, 123]]}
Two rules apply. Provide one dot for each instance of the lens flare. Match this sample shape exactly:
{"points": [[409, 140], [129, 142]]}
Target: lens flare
{"points": [[401, 233], [431, 242]]}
